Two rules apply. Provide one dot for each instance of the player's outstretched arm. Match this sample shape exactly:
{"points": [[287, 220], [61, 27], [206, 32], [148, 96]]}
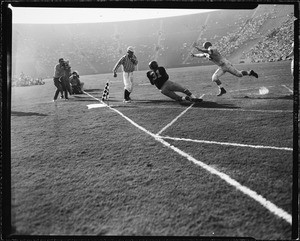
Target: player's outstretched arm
{"points": [[201, 50], [200, 55]]}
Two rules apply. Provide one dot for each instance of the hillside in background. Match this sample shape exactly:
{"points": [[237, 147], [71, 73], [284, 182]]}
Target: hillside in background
{"points": [[262, 34]]}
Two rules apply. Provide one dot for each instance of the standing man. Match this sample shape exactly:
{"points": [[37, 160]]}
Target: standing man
{"points": [[159, 77], [66, 82], [59, 71], [214, 55], [128, 61]]}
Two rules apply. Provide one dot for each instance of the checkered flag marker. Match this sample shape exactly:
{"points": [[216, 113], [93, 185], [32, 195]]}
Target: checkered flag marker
{"points": [[105, 95]]}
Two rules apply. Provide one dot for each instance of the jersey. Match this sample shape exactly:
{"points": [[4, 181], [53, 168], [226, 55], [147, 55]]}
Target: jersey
{"points": [[158, 77], [215, 56], [127, 63]]}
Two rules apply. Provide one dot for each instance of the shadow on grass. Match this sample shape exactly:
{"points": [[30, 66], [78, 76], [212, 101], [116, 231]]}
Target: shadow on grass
{"points": [[155, 101], [19, 113], [286, 97], [93, 90], [214, 105], [204, 104]]}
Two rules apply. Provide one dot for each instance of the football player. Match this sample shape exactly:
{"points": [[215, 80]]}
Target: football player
{"points": [[214, 55], [159, 77]]}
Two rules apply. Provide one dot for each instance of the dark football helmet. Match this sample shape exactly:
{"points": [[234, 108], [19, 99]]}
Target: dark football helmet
{"points": [[206, 45], [153, 65]]}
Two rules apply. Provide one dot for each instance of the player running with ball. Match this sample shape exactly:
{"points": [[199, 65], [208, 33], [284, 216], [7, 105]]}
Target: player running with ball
{"points": [[224, 65], [159, 77]]}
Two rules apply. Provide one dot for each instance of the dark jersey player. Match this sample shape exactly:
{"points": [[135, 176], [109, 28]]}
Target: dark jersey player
{"points": [[159, 77]]}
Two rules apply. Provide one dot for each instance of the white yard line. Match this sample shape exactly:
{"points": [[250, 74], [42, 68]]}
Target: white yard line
{"points": [[260, 199], [250, 110], [290, 90], [173, 121], [228, 143], [252, 194]]}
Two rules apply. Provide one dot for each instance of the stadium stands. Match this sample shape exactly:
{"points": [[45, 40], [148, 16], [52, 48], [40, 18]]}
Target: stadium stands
{"points": [[94, 48]]}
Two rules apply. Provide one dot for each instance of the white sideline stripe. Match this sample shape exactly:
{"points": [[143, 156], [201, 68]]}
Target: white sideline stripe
{"points": [[227, 143], [173, 121], [264, 202], [204, 108], [290, 90], [245, 110], [93, 97]]}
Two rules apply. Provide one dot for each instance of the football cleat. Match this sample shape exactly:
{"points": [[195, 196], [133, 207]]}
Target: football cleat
{"points": [[222, 92], [252, 73], [127, 101]]}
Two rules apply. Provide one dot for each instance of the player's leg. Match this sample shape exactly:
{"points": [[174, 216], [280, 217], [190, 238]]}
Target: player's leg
{"points": [[216, 78], [240, 73], [171, 94], [169, 89], [179, 88], [127, 86], [131, 84]]}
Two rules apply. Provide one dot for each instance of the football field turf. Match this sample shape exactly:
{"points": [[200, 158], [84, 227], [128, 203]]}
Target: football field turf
{"points": [[222, 167]]}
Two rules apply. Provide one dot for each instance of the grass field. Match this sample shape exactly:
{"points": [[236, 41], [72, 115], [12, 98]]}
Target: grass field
{"points": [[222, 167]]}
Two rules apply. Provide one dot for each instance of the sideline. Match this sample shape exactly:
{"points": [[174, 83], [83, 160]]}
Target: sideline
{"points": [[260, 199], [228, 143]]}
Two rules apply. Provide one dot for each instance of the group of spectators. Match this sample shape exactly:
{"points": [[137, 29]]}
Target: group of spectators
{"points": [[275, 46], [66, 82], [248, 29], [26, 81], [96, 48]]}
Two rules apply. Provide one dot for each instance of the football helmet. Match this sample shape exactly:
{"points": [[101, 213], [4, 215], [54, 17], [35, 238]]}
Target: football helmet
{"points": [[153, 65], [206, 45]]}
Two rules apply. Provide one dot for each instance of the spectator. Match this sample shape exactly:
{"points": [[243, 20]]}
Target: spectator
{"points": [[58, 73], [76, 84]]}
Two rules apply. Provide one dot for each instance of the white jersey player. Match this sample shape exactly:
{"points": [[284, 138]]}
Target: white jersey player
{"points": [[224, 65]]}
